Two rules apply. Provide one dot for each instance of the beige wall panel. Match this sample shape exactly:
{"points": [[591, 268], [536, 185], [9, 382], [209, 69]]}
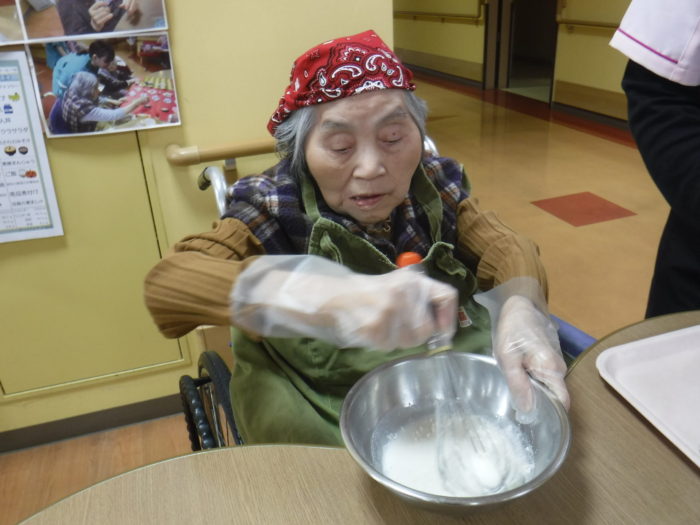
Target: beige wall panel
{"points": [[608, 103], [588, 71], [72, 310], [452, 66], [87, 397], [448, 45], [462, 7], [584, 57], [464, 42], [605, 11], [76, 301]]}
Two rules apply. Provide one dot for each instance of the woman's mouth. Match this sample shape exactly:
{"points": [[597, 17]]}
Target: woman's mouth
{"points": [[367, 201]]}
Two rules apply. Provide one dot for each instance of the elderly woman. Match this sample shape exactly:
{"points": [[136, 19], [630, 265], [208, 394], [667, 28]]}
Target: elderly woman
{"points": [[303, 263], [80, 105]]}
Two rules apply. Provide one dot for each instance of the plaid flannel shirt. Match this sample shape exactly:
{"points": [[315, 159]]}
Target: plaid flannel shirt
{"points": [[270, 205]]}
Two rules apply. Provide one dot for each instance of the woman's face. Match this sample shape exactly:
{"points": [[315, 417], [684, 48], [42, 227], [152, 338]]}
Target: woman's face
{"points": [[362, 153]]}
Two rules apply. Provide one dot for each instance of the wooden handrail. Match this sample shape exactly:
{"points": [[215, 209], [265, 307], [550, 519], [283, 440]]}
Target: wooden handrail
{"points": [[445, 17], [190, 155], [571, 23], [585, 23]]}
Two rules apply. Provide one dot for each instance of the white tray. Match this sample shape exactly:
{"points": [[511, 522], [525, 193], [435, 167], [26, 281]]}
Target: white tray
{"points": [[660, 377]]}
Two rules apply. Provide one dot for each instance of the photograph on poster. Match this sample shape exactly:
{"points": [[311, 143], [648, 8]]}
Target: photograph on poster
{"points": [[105, 85], [44, 19], [10, 28]]}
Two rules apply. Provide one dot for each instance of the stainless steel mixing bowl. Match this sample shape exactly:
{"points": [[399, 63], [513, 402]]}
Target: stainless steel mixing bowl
{"points": [[398, 393]]}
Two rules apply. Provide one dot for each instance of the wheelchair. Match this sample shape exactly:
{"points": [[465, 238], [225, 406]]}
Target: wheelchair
{"points": [[206, 399], [207, 404]]}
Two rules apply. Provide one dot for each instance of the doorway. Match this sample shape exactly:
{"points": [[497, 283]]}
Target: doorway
{"points": [[527, 40]]}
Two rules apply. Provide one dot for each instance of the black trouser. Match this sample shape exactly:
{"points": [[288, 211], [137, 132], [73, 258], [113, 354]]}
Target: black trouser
{"points": [[665, 120], [675, 286]]}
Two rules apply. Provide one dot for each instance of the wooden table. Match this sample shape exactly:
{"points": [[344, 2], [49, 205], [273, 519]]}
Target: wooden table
{"points": [[620, 470]]}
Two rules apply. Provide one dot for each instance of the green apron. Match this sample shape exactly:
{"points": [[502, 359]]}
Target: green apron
{"points": [[291, 390]]}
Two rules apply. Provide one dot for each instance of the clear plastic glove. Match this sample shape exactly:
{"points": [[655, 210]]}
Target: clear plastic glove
{"points": [[525, 342], [309, 296]]}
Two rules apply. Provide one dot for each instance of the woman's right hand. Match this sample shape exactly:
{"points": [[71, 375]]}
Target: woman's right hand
{"points": [[309, 296]]}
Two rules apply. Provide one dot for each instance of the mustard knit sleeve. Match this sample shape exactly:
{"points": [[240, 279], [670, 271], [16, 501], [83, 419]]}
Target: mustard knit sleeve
{"points": [[190, 286], [499, 252]]}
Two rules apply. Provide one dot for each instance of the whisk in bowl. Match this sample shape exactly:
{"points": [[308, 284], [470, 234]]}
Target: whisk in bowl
{"points": [[467, 460]]}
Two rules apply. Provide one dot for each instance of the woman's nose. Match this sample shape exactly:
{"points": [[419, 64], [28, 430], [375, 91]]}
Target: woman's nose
{"points": [[369, 164]]}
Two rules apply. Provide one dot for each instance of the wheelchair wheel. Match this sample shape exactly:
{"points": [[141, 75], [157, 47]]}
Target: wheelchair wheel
{"points": [[198, 427], [214, 391]]}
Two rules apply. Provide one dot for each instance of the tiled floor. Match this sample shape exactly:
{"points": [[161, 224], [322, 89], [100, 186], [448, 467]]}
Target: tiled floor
{"points": [[34, 478], [517, 153]]}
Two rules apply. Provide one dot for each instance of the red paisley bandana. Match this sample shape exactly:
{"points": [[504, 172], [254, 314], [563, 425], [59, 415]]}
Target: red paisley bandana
{"points": [[341, 68]]}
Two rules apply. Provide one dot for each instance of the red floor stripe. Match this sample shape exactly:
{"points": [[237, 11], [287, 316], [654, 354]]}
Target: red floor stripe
{"points": [[580, 209]]}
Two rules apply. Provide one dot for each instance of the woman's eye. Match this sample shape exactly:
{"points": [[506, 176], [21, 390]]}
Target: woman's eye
{"points": [[393, 140], [339, 145]]}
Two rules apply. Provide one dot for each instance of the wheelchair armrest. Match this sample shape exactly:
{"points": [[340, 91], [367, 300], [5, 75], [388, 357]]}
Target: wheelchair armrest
{"points": [[573, 340]]}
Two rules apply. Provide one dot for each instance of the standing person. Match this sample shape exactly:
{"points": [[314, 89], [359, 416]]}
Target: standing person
{"points": [[662, 84], [303, 263], [98, 55], [80, 17]]}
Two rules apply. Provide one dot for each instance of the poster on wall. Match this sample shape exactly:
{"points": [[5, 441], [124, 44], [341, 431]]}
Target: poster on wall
{"points": [[28, 207], [100, 66], [100, 86], [47, 19]]}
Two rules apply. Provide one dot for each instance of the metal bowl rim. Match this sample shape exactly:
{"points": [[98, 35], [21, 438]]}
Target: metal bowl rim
{"points": [[457, 501]]}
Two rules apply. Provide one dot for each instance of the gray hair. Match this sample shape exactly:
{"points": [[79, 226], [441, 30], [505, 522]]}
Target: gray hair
{"points": [[83, 85], [291, 134]]}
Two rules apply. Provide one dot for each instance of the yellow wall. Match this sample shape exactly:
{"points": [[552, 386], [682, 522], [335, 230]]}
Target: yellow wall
{"points": [[609, 11], [460, 41], [461, 7], [76, 336], [587, 59], [446, 46], [588, 71]]}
